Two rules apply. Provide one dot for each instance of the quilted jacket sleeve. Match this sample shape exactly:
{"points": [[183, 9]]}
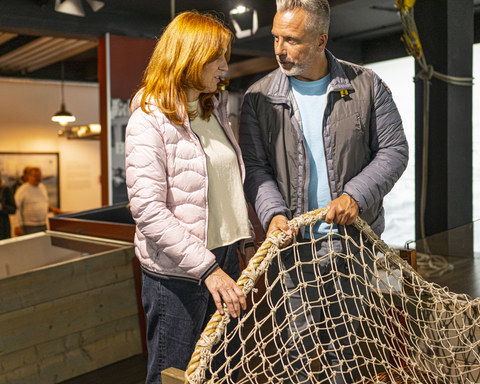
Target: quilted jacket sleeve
{"points": [[260, 185], [389, 151], [147, 190]]}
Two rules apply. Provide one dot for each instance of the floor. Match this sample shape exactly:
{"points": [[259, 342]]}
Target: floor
{"points": [[464, 278]]}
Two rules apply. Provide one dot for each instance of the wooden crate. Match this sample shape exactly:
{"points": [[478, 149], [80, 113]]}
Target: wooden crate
{"points": [[111, 222], [67, 306]]}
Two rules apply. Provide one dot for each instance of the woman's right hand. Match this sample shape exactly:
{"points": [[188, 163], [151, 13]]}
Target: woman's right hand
{"points": [[223, 287]]}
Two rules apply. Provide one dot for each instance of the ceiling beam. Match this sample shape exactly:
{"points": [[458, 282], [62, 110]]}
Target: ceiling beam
{"points": [[251, 66], [43, 52], [4, 37]]}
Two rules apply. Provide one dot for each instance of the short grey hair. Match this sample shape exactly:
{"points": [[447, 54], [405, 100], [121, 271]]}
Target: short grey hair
{"points": [[318, 12]]}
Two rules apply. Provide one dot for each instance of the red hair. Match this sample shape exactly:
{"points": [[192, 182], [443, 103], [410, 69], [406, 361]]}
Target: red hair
{"points": [[189, 42]]}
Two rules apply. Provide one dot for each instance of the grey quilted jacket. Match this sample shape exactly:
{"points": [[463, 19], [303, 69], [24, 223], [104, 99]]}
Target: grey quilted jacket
{"points": [[365, 145]]}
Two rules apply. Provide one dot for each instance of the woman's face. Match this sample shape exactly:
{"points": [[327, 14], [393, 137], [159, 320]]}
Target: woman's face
{"points": [[212, 72]]}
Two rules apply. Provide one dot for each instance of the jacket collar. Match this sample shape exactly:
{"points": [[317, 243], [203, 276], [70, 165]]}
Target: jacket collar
{"points": [[338, 79], [280, 88]]}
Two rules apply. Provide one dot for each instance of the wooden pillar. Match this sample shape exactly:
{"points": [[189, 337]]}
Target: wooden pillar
{"points": [[121, 63], [103, 82], [446, 32]]}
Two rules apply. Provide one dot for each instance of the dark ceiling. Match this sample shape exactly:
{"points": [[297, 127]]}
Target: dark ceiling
{"points": [[361, 31]]}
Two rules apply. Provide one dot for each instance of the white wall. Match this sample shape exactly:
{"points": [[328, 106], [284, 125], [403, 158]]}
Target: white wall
{"points": [[400, 202], [26, 108]]}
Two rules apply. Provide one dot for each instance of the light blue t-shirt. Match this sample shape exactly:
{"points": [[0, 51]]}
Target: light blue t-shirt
{"points": [[310, 97]]}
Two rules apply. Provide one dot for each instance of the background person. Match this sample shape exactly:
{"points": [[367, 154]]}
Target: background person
{"points": [[7, 207], [184, 176], [32, 204], [319, 132], [21, 180]]}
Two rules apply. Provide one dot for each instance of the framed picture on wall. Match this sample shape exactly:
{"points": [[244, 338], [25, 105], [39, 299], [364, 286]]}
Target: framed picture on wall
{"points": [[12, 165]]}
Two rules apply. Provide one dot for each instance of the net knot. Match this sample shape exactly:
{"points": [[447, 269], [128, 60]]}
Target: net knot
{"points": [[425, 73]]}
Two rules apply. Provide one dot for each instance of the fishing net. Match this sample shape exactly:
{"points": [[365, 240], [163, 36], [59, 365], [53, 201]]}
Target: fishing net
{"points": [[341, 309]]}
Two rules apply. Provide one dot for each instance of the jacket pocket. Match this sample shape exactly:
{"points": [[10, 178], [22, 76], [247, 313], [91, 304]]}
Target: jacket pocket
{"points": [[350, 148]]}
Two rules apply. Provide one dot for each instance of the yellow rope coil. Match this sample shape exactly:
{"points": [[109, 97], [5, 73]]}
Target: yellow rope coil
{"points": [[404, 5]]}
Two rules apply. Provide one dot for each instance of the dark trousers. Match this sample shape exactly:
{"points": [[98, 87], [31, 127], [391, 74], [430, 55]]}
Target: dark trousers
{"points": [[28, 229], [323, 302], [177, 312]]}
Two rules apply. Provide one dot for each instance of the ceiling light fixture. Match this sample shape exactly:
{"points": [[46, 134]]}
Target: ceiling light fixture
{"points": [[239, 9], [63, 117], [75, 7], [239, 15]]}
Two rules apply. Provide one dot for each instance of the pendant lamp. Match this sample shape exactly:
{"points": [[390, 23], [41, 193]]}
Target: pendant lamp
{"points": [[75, 7], [63, 117]]}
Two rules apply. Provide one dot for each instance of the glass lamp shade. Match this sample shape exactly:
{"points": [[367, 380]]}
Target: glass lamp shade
{"points": [[63, 117]]}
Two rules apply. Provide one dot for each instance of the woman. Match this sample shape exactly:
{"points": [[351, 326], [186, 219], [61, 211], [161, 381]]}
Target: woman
{"points": [[7, 207], [184, 176]]}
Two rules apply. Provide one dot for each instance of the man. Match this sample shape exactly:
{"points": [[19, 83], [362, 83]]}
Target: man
{"points": [[21, 180], [32, 204], [319, 132]]}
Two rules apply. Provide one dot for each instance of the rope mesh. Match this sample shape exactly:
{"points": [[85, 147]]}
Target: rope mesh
{"points": [[341, 309]]}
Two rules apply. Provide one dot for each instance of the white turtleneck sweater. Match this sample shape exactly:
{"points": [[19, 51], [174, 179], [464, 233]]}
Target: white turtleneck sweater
{"points": [[227, 211]]}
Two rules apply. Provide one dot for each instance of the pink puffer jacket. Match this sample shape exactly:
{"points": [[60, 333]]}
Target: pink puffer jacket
{"points": [[167, 183]]}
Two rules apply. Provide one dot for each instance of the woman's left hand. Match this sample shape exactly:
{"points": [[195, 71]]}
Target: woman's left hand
{"points": [[224, 288]]}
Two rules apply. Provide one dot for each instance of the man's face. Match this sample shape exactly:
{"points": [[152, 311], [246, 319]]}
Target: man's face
{"points": [[34, 177], [295, 48], [298, 52]]}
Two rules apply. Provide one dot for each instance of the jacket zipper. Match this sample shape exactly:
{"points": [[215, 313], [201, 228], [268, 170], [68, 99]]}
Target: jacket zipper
{"points": [[324, 147], [304, 176], [197, 138]]}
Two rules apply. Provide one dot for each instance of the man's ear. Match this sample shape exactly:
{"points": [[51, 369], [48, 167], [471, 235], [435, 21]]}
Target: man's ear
{"points": [[322, 42]]}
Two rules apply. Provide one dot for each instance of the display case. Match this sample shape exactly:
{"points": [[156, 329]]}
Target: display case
{"points": [[68, 306], [111, 222]]}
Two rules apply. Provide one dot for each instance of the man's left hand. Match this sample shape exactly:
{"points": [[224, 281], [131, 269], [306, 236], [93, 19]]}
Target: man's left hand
{"points": [[342, 211]]}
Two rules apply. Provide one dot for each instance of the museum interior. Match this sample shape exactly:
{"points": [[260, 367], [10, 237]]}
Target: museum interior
{"points": [[62, 321]]}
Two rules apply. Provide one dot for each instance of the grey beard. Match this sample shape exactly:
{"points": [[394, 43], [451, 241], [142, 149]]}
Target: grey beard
{"points": [[297, 69]]}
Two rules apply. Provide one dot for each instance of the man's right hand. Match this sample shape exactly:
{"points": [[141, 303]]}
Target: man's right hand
{"points": [[280, 222], [18, 231]]}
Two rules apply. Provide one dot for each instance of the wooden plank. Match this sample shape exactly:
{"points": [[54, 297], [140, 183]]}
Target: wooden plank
{"points": [[104, 229], [251, 66], [54, 362], [410, 256], [48, 321], [81, 245], [126, 328], [173, 376], [65, 279]]}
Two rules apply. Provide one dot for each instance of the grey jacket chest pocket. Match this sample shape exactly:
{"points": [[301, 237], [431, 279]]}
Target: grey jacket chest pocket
{"points": [[351, 129], [350, 146]]}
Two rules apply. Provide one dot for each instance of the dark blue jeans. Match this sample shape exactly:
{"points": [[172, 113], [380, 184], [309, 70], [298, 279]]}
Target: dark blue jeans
{"points": [[177, 312]]}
